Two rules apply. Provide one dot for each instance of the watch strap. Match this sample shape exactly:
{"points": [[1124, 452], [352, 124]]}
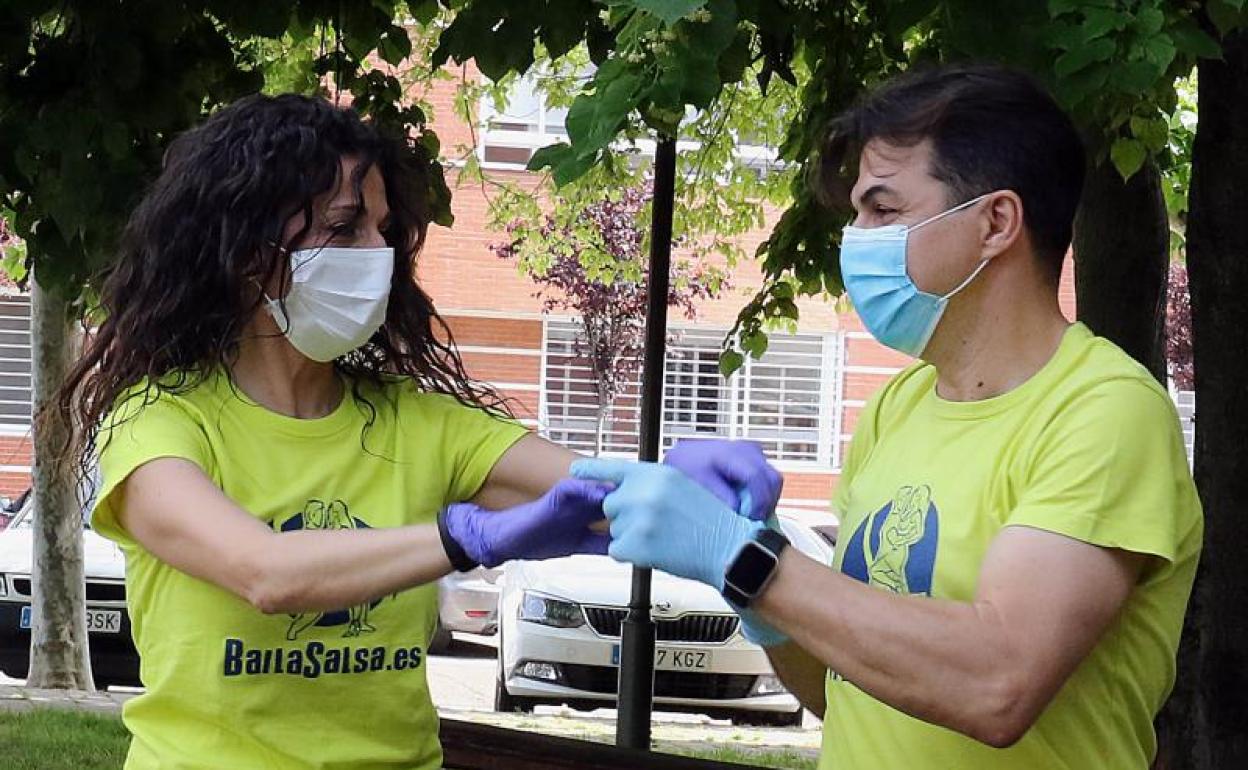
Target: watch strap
{"points": [[459, 558], [769, 540]]}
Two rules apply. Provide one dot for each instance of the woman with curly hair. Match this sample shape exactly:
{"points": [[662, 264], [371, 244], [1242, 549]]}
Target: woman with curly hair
{"points": [[291, 451]]}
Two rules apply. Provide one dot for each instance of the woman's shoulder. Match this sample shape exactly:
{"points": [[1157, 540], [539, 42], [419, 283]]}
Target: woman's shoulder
{"points": [[174, 394], [412, 399]]}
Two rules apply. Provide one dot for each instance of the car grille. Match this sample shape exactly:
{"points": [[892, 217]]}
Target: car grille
{"points": [[694, 627], [96, 591], [667, 684]]}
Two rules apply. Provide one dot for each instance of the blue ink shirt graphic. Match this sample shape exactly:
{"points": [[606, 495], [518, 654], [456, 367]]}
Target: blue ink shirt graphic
{"points": [[895, 547], [317, 514]]}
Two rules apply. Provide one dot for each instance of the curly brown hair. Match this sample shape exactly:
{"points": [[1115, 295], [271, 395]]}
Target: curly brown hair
{"points": [[182, 289]]}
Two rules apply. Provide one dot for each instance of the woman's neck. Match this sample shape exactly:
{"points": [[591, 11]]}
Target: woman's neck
{"points": [[272, 373]]}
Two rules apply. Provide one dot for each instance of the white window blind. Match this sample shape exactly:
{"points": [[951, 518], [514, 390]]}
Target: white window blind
{"points": [[15, 400], [785, 401]]}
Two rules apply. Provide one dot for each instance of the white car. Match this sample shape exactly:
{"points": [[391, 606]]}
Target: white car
{"points": [[560, 638], [467, 602], [113, 657]]}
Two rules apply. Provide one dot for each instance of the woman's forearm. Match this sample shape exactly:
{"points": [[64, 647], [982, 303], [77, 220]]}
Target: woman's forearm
{"points": [[311, 570]]}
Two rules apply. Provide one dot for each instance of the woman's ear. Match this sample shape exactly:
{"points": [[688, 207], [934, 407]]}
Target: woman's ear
{"points": [[1003, 223]]}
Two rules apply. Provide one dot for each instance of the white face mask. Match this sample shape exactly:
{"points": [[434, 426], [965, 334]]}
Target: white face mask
{"points": [[337, 299]]}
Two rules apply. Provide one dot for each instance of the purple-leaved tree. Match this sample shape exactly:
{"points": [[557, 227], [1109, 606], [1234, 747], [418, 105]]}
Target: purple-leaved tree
{"points": [[1179, 329], [589, 259]]}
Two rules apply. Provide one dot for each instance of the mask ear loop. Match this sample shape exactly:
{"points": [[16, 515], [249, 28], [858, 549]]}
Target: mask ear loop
{"points": [[982, 264], [954, 210], [269, 301]]}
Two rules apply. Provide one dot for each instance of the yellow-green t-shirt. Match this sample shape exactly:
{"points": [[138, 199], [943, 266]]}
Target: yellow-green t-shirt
{"points": [[227, 685], [1090, 447]]}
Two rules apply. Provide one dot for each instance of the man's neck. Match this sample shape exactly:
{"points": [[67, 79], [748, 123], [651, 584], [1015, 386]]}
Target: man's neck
{"points": [[990, 350]]}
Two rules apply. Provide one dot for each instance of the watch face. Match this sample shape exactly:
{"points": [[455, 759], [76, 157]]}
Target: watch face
{"points": [[750, 569]]}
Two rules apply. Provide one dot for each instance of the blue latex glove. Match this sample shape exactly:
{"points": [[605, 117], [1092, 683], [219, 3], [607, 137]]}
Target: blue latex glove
{"points": [[661, 518], [556, 524], [737, 472]]}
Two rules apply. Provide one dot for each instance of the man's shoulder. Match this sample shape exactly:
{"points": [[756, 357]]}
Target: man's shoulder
{"points": [[1097, 371]]}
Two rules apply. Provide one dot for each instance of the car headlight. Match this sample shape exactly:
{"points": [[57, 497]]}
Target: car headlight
{"points": [[549, 611]]}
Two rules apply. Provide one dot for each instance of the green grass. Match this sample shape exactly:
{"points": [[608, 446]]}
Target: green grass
{"points": [[47, 739], [50, 739], [786, 759]]}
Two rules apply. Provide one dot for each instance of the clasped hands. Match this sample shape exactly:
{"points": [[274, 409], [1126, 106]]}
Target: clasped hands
{"points": [[688, 516]]}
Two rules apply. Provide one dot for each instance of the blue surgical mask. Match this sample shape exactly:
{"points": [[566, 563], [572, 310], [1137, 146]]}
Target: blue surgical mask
{"points": [[894, 310]]}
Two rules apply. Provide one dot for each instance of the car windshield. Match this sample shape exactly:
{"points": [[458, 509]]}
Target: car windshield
{"points": [[25, 515]]}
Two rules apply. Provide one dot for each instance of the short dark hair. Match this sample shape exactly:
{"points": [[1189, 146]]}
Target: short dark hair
{"points": [[991, 128]]}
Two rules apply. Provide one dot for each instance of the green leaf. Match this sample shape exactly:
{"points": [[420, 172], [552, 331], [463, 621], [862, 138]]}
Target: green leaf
{"points": [[550, 155], [595, 118], [1128, 156], [729, 362], [702, 85], [1136, 77], [561, 33], [670, 11], [1160, 51], [904, 14], [1059, 7], [735, 58], [573, 168], [755, 344], [1149, 21], [1226, 15], [423, 11], [395, 46], [1194, 41], [1077, 58], [1098, 21], [1153, 132]]}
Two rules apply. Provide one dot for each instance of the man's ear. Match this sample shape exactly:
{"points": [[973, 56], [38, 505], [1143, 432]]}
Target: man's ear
{"points": [[1003, 223]]}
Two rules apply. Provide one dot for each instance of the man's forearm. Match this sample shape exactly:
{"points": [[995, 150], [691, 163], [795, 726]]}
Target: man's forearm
{"points": [[802, 674], [937, 660]]}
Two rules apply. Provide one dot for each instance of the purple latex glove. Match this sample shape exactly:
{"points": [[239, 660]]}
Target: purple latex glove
{"points": [[556, 524], [737, 472]]}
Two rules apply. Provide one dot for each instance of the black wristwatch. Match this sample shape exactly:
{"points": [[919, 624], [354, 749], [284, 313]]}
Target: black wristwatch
{"points": [[753, 567]]}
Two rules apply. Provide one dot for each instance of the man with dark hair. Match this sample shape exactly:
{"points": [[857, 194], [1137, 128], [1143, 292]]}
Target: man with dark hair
{"points": [[1019, 527]]}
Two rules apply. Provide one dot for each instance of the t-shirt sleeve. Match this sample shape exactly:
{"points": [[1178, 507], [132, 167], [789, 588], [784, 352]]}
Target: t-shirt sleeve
{"points": [[1111, 470], [475, 441], [138, 431], [859, 446]]}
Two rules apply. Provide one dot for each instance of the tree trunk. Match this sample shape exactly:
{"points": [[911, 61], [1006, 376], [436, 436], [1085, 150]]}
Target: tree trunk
{"points": [[1122, 260], [599, 423], [58, 650], [1217, 264]]}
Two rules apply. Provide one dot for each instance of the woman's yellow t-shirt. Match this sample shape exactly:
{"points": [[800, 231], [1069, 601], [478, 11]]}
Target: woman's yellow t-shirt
{"points": [[228, 686]]}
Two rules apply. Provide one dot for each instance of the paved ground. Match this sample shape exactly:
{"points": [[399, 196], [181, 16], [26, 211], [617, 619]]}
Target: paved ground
{"points": [[462, 684]]}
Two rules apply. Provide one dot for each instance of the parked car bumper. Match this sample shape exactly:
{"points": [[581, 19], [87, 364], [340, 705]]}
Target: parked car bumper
{"points": [[468, 602], [582, 670], [113, 655]]}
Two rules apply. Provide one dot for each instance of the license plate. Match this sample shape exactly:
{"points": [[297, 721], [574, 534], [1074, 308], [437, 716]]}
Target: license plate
{"points": [[98, 621], [673, 659]]}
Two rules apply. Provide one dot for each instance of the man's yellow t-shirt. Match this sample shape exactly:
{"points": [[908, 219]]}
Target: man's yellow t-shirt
{"points": [[1090, 448], [227, 685]]}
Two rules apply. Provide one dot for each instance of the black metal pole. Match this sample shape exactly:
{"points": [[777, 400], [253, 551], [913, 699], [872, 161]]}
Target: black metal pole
{"points": [[637, 639]]}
